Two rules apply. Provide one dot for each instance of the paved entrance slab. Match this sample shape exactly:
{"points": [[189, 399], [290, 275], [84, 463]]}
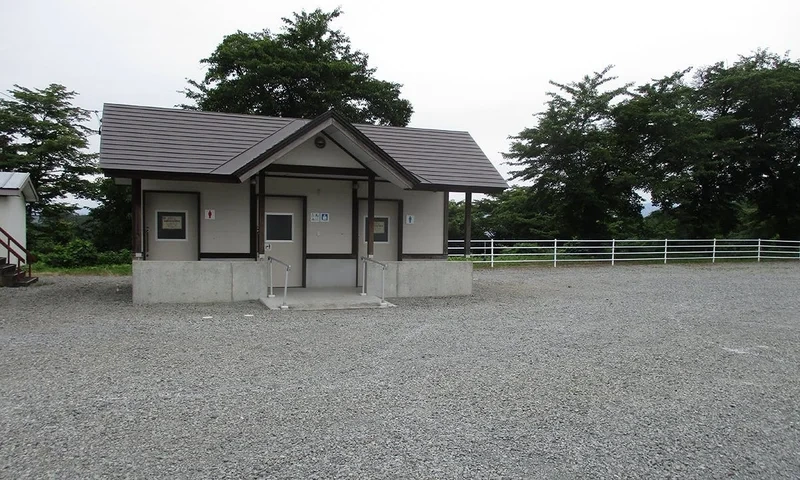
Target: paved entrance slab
{"points": [[323, 299]]}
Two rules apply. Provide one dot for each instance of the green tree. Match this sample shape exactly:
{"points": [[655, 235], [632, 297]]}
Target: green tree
{"points": [[109, 226], [719, 153], [758, 98], [44, 134], [684, 157], [303, 71], [581, 179]]}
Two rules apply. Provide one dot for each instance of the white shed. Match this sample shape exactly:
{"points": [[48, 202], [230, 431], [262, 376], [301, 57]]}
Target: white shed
{"points": [[16, 189]]}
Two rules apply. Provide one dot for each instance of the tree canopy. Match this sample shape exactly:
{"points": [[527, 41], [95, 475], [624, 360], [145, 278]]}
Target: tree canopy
{"points": [[302, 71], [717, 149], [42, 133], [574, 159]]}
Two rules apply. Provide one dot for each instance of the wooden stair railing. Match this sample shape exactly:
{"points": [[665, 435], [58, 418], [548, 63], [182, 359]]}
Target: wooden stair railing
{"points": [[28, 259]]}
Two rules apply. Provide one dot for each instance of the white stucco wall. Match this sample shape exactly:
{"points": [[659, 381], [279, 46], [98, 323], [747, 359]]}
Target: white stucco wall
{"points": [[333, 197], [229, 232], [12, 219], [426, 234], [329, 156]]}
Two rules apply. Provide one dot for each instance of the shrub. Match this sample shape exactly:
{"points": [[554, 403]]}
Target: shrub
{"points": [[114, 258], [77, 253]]}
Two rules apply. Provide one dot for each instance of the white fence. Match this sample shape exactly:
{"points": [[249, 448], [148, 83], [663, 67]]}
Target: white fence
{"points": [[613, 251]]}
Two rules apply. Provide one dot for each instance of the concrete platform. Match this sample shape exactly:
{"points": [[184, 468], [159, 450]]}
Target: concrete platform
{"points": [[323, 299]]}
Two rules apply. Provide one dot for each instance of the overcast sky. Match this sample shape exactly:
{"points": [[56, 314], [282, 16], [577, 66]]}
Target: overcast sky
{"points": [[477, 66]]}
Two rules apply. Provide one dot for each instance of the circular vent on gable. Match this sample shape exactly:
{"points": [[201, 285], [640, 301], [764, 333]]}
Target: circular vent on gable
{"points": [[319, 142]]}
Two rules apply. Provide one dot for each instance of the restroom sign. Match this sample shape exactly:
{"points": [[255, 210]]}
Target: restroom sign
{"points": [[211, 214], [324, 217]]}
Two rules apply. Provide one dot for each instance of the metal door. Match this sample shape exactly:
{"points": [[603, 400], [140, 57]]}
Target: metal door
{"points": [[386, 234], [171, 226], [284, 233]]}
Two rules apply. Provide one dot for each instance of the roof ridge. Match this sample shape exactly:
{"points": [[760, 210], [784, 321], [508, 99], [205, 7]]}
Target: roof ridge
{"points": [[256, 115], [409, 128], [199, 112]]}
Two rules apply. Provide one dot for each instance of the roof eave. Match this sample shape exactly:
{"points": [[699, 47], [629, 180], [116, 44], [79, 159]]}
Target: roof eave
{"points": [[165, 175], [442, 187]]}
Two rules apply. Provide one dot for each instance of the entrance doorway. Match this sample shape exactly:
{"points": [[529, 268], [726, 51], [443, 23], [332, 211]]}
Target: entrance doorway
{"points": [[284, 236], [386, 232], [171, 226]]}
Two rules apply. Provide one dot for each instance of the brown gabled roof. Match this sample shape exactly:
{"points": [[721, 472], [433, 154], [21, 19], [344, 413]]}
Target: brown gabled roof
{"points": [[207, 144]]}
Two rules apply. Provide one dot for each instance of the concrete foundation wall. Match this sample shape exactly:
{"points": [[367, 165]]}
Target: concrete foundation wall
{"points": [[237, 281], [421, 279], [329, 272], [198, 282]]}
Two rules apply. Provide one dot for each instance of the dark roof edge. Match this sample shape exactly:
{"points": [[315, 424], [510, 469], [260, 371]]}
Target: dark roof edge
{"points": [[363, 138], [442, 187], [311, 125], [167, 175], [282, 144], [259, 115], [255, 145]]}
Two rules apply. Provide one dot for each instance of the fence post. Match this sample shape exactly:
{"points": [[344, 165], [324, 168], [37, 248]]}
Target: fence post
{"points": [[491, 252], [759, 249], [714, 252], [613, 246], [555, 252], [666, 240]]}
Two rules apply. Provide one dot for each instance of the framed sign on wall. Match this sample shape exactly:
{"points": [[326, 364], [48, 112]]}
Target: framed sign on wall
{"points": [[170, 225]]}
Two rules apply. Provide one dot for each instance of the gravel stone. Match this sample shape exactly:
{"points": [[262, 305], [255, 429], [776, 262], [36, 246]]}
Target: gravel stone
{"points": [[592, 372]]}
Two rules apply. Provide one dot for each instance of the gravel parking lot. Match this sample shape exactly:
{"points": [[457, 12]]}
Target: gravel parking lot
{"points": [[633, 371]]}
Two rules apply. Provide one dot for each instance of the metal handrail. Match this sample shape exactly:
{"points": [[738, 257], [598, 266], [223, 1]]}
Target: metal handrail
{"points": [[29, 257], [288, 267], [384, 266]]}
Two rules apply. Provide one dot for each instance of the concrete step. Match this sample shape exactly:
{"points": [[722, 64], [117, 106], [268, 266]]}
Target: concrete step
{"points": [[323, 299], [25, 281]]}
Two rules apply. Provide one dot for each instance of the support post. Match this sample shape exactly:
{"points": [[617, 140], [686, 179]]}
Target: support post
{"points": [[262, 207], [714, 252], [759, 249], [555, 253], [270, 294], [254, 218], [136, 197], [364, 277], [370, 217], [491, 251], [666, 240], [446, 216], [468, 224], [613, 248]]}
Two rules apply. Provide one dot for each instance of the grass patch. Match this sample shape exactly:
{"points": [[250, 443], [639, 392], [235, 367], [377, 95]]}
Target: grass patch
{"points": [[120, 270]]}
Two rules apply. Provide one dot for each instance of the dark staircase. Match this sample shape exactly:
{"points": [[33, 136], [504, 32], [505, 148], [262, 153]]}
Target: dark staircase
{"points": [[15, 275]]}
